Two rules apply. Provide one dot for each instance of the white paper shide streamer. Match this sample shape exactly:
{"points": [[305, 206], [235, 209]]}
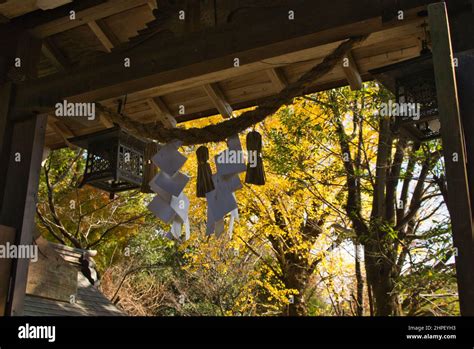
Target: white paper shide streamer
{"points": [[221, 201], [171, 205]]}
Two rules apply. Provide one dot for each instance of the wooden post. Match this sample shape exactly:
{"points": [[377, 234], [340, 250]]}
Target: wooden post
{"points": [[5, 98], [19, 198], [7, 235], [21, 152], [465, 81], [454, 153]]}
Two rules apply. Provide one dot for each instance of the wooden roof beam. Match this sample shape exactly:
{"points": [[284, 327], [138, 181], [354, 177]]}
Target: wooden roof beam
{"points": [[182, 65], [217, 97], [63, 131], [104, 34], [152, 4], [352, 73], [106, 120], [278, 78], [93, 13], [162, 112], [50, 4], [51, 52]]}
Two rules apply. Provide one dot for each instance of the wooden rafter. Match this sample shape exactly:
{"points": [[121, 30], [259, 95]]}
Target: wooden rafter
{"points": [[217, 97], [106, 121], [220, 132], [94, 13], [63, 131], [152, 4], [156, 72], [162, 112], [51, 52], [107, 38], [352, 72], [278, 78]]}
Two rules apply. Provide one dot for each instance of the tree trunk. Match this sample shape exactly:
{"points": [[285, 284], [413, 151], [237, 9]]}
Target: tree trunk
{"points": [[298, 308], [296, 279], [359, 280], [381, 274]]}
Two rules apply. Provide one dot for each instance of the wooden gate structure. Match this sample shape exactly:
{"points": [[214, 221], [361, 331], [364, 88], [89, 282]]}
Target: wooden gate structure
{"points": [[181, 60]]}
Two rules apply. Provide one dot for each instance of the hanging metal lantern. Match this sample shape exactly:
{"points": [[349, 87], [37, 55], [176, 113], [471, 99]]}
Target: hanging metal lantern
{"points": [[115, 160], [414, 86]]}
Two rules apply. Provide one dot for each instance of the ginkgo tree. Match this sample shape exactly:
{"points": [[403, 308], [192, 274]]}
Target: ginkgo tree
{"points": [[351, 221], [285, 224], [392, 188]]}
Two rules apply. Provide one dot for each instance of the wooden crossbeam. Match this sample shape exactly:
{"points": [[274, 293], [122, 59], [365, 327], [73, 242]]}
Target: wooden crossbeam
{"points": [[51, 52], [217, 97], [106, 121], [107, 38], [352, 72], [162, 112], [278, 78]]}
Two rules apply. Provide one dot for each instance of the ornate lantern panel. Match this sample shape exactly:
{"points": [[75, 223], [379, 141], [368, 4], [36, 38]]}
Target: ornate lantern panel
{"points": [[413, 84], [115, 160]]}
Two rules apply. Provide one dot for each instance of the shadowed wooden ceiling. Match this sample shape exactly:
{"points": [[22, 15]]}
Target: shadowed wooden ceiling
{"points": [[111, 27]]}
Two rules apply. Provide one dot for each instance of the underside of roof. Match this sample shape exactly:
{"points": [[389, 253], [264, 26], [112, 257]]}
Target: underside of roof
{"points": [[223, 56]]}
